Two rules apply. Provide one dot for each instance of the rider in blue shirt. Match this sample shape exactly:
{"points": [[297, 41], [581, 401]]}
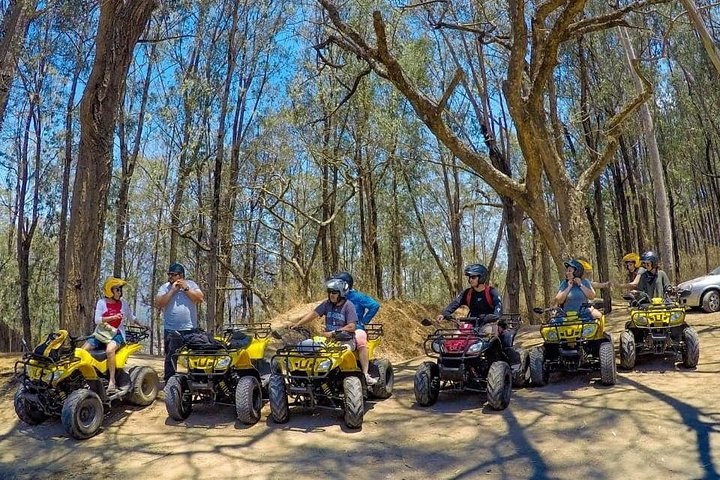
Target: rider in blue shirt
{"points": [[366, 308], [574, 290]]}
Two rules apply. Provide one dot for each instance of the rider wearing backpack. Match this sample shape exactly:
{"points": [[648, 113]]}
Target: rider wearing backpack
{"points": [[480, 298]]}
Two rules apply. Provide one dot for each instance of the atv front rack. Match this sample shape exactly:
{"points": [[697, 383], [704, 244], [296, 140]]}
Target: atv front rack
{"points": [[36, 367], [510, 320], [447, 341]]}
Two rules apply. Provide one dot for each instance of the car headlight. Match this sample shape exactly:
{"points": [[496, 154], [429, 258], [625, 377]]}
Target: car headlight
{"points": [[475, 347], [325, 365], [224, 362], [437, 345], [589, 329], [677, 317]]}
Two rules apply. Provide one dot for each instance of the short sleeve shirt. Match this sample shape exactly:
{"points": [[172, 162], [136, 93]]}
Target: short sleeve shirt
{"points": [[576, 297], [181, 312], [337, 316]]}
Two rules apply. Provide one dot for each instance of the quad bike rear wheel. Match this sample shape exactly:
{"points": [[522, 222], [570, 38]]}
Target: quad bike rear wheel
{"points": [[608, 369], [277, 394], [383, 369], [627, 350], [499, 385], [539, 373], [143, 385], [248, 400], [691, 352], [177, 399], [353, 402], [82, 414], [427, 384], [26, 410]]}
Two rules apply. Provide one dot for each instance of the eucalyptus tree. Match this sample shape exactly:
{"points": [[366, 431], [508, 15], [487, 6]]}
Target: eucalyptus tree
{"points": [[120, 27], [529, 41]]}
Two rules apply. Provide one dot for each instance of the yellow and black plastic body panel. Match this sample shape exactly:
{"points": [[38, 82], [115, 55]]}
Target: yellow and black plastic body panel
{"points": [[573, 328], [657, 315], [312, 361]]}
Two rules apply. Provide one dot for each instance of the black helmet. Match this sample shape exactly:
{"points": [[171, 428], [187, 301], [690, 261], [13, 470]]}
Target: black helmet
{"points": [[477, 270], [344, 276], [338, 284], [650, 257], [579, 269]]}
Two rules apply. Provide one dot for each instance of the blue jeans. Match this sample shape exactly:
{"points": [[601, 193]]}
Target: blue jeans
{"points": [[98, 345]]}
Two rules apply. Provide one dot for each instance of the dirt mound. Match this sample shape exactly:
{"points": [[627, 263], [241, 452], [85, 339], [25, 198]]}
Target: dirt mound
{"points": [[404, 336]]}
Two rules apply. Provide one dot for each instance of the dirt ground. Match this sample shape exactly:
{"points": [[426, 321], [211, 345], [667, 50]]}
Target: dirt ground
{"points": [[659, 422]]}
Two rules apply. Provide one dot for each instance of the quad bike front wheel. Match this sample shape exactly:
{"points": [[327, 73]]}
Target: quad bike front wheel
{"points": [[277, 394], [26, 410], [353, 402], [248, 400], [499, 385], [521, 361], [627, 350], [82, 414], [427, 384], [691, 352], [143, 386], [178, 402], [608, 369], [383, 369], [539, 373]]}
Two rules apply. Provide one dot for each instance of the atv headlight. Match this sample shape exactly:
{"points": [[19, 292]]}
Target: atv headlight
{"points": [[224, 362], [589, 329], [56, 375], [550, 335], [325, 365], [475, 347], [641, 320], [677, 317], [437, 345]]}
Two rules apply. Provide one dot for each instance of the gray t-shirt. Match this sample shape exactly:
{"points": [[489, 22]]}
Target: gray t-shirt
{"points": [[180, 313]]}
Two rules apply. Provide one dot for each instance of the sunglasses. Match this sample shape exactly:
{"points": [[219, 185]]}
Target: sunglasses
{"points": [[173, 274], [333, 292], [116, 289], [474, 277]]}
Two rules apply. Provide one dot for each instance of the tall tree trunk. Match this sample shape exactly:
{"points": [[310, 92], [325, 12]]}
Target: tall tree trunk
{"points": [[13, 30], [128, 162], [665, 239], [118, 32]]}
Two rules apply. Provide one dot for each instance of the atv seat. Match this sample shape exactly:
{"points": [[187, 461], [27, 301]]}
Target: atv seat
{"points": [[99, 355]]}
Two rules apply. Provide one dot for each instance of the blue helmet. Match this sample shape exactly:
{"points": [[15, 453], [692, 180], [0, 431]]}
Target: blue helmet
{"points": [[579, 269], [477, 270], [344, 276]]}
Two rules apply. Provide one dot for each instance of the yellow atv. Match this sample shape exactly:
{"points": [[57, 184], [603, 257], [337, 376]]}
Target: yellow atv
{"points": [[59, 379], [224, 370], [573, 342], [324, 373], [657, 326]]}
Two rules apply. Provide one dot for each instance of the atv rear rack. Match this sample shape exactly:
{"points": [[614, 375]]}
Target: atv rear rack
{"points": [[374, 330]]}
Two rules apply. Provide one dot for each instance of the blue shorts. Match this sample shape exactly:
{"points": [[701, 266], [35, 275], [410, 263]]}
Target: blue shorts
{"points": [[98, 345]]}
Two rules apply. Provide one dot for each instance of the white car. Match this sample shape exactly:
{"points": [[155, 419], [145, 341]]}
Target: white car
{"points": [[704, 292]]}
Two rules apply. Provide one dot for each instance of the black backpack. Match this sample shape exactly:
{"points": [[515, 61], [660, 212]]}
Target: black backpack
{"points": [[202, 341]]}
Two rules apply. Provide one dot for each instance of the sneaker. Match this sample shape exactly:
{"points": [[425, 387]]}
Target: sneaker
{"points": [[370, 380], [111, 389]]}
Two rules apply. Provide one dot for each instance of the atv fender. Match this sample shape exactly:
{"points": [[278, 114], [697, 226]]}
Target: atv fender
{"points": [[256, 349]]}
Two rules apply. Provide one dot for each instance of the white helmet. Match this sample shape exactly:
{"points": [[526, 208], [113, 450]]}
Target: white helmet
{"points": [[339, 285]]}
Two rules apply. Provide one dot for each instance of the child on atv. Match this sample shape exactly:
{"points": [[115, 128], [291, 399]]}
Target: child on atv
{"points": [[111, 315]]}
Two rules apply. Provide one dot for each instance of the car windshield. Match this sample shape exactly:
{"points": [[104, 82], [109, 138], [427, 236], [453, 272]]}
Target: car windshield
{"points": [[715, 272]]}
